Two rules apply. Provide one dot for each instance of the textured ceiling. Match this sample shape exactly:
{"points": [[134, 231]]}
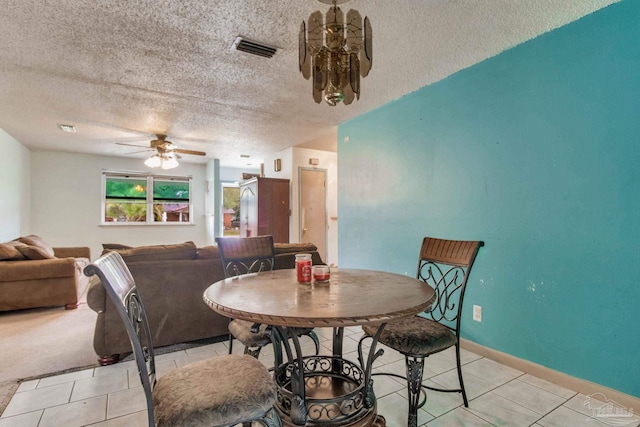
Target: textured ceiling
{"points": [[121, 71]]}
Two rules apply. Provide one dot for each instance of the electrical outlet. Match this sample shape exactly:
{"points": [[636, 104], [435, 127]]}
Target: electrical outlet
{"points": [[477, 313]]}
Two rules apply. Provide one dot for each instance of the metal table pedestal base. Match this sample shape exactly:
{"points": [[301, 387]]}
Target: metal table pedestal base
{"points": [[370, 420], [334, 394]]}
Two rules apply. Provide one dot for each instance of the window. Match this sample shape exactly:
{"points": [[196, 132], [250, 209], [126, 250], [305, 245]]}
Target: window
{"points": [[145, 198]]}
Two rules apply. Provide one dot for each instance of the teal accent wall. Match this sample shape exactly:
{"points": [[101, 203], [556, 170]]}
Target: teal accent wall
{"points": [[536, 151]]}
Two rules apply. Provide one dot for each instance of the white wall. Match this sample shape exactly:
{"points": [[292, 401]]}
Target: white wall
{"points": [[14, 188], [66, 200], [57, 196], [228, 174], [292, 160]]}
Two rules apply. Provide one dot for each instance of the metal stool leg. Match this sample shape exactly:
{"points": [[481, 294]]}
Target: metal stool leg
{"points": [[230, 343], [316, 341], [415, 367], [464, 393]]}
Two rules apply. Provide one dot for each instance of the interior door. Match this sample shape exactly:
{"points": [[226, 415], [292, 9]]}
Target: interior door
{"points": [[313, 208], [248, 215]]}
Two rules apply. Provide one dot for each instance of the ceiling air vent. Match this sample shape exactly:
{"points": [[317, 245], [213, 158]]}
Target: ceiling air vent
{"points": [[253, 48]]}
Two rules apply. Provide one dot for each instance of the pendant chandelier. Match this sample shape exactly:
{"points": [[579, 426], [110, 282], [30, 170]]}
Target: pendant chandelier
{"points": [[336, 52]]}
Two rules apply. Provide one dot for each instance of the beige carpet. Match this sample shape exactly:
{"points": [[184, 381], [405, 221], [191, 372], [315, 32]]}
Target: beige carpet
{"points": [[42, 342], [39, 342]]}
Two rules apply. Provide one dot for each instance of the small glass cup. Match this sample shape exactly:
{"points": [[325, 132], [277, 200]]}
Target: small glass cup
{"points": [[320, 273]]}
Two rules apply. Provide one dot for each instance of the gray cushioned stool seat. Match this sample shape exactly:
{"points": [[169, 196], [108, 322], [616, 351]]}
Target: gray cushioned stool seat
{"points": [[414, 335], [241, 330], [214, 392]]}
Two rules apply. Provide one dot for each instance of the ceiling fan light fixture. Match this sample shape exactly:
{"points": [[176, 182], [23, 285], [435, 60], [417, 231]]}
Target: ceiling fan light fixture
{"points": [[166, 155], [169, 162], [164, 161], [153, 161]]}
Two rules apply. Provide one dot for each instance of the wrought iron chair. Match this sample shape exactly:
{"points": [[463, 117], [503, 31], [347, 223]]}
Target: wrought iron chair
{"points": [[444, 265], [220, 391], [242, 255]]}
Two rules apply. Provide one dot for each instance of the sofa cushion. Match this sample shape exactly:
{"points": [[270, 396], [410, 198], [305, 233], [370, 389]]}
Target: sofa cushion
{"points": [[10, 252], [36, 248], [110, 246], [73, 252], [208, 252], [298, 248], [40, 269], [186, 250], [34, 252]]}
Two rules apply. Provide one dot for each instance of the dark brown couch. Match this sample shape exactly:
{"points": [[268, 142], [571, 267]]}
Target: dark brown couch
{"points": [[34, 274], [171, 280]]}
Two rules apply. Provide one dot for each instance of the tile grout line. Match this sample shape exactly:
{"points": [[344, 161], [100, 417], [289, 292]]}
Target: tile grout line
{"points": [[493, 388]]}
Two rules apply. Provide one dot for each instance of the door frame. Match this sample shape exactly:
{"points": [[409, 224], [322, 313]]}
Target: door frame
{"points": [[223, 185], [326, 207]]}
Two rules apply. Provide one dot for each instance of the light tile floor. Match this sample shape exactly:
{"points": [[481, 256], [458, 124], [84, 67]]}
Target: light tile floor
{"points": [[112, 396]]}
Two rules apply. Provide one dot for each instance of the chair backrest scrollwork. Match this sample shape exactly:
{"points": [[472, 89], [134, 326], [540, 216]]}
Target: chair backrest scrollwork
{"points": [[445, 266], [242, 255]]}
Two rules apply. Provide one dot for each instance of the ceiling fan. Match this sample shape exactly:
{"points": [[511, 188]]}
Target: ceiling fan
{"points": [[166, 152]]}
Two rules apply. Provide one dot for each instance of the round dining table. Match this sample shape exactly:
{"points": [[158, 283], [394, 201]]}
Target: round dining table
{"points": [[322, 390]]}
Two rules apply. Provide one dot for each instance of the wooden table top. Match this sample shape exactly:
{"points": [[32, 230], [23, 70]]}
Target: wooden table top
{"points": [[351, 297]]}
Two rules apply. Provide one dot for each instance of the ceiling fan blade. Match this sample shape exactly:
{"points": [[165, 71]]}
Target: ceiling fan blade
{"points": [[131, 145], [141, 151], [195, 153], [126, 140]]}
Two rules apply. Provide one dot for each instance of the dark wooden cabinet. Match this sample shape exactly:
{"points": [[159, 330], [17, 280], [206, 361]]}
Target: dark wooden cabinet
{"points": [[264, 208]]}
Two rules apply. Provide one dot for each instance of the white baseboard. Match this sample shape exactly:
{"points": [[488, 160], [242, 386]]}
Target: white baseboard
{"points": [[572, 383]]}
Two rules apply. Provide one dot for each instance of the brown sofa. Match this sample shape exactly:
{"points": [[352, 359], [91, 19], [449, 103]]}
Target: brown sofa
{"points": [[34, 274], [171, 280]]}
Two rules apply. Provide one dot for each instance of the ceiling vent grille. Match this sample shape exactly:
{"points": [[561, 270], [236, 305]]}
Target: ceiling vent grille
{"points": [[253, 48]]}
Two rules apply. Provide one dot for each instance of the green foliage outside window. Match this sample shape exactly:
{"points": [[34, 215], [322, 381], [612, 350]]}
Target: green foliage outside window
{"points": [[127, 212], [170, 190], [126, 188], [126, 199], [231, 200]]}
